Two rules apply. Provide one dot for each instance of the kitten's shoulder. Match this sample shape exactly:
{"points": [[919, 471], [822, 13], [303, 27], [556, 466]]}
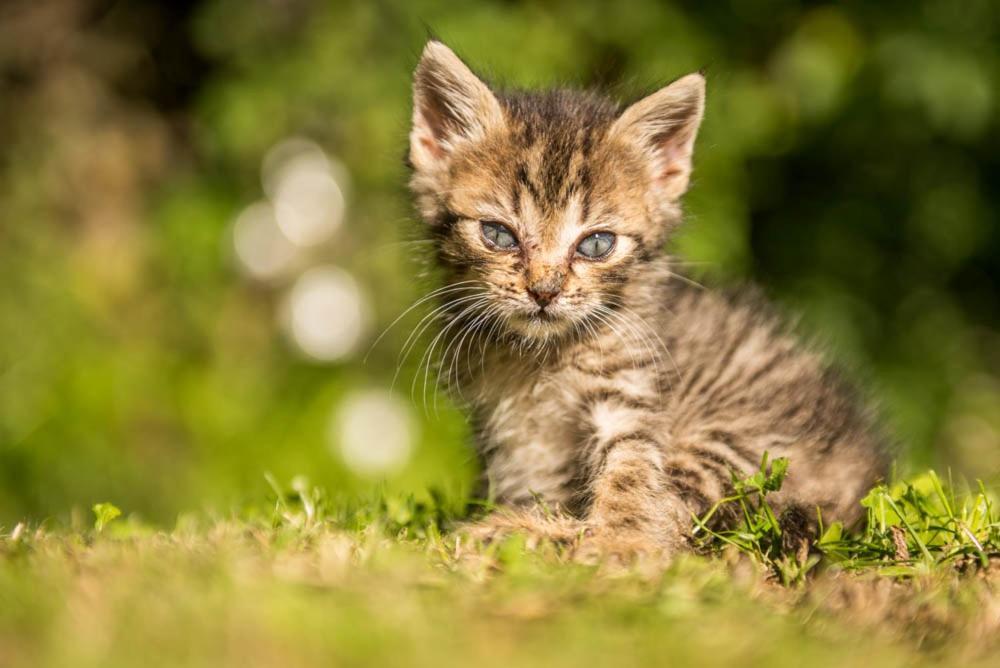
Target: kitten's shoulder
{"points": [[676, 292]]}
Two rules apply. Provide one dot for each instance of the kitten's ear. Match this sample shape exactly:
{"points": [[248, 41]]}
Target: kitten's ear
{"points": [[450, 105], [664, 126]]}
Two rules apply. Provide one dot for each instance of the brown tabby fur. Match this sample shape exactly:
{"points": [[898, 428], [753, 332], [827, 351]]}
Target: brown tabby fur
{"points": [[627, 402]]}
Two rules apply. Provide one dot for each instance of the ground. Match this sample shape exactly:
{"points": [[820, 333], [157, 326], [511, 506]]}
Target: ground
{"points": [[381, 584]]}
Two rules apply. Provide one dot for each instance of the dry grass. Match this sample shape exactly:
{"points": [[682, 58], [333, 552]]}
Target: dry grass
{"points": [[318, 583]]}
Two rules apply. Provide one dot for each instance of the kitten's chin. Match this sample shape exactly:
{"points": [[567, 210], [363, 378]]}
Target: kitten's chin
{"points": [[540, 326]]}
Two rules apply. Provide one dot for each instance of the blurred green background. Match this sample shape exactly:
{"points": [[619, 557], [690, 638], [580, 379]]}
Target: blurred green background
{"points": [[204, 224]]}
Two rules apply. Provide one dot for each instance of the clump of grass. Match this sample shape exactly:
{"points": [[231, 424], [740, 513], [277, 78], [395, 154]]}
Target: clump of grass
{"points": [[917, 524], [427, 515], [910, 528]]}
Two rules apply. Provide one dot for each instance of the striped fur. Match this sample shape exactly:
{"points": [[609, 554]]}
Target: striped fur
{"points": [[629, 401]]}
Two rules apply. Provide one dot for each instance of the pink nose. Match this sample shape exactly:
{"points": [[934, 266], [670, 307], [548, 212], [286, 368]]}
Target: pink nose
{"points": [[543, 297]]}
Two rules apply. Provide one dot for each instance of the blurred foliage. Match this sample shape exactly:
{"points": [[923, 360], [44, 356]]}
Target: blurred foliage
{"points": [[848, 162]]}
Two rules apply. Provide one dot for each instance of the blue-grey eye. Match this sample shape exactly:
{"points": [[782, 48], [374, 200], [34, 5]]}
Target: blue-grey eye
{"points": [[597, 245], [498, 235]]}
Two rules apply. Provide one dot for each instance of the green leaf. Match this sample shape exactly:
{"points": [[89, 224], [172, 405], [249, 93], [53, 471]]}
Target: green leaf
{"points": [[833, 534], [104, 514], [779, 469]]}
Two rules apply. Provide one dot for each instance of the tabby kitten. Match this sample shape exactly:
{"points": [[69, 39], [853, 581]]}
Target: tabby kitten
{"points": [[600, 382]]}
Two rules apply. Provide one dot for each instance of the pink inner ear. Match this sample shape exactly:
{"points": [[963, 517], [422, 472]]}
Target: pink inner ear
{"points": [[431, 128], [672, 164], [675, 158], [433, 147]]}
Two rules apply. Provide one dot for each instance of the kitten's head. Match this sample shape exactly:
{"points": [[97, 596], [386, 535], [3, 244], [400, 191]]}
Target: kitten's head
{"points": [[552, 201]]}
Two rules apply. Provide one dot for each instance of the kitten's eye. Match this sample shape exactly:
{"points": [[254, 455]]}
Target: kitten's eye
{"points": [[498, 235], [597, 245]]}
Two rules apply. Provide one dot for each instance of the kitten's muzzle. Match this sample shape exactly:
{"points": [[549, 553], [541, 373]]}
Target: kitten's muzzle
{"points": [[546, 286]]}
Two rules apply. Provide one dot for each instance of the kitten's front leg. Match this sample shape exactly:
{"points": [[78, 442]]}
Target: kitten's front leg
{"points": [[532, 483], [634, 511]]}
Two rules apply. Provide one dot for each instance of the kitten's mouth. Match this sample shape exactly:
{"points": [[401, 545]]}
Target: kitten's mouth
{"points": [[540, 324]]}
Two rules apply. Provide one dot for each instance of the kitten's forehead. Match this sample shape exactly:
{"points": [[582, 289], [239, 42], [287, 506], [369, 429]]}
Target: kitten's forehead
{"points": [[551, 167], [554, 136]]}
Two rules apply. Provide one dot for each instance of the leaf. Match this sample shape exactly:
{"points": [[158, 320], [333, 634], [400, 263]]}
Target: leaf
{"points": [[833, 534], [104, 514], [779, 469]]}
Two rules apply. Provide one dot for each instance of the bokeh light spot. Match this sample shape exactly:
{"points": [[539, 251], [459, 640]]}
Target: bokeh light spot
{"points": [[373, 432], [263, 251], [306, 188], [325, 313]]}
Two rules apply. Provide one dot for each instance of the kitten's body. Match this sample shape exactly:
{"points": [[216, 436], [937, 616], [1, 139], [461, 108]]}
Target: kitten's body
{"points": [[607, 386], [734, 385]]}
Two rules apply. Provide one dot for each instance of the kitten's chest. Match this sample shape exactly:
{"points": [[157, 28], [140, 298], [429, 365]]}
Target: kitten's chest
{"points": [[514, 412], [528, 435]]}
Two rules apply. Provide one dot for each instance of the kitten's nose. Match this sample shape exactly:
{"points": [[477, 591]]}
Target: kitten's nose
{"points": [[543, 296], [544, 283]]}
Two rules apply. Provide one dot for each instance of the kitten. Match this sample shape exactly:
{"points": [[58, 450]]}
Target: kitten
{"points": [[600, 382]]}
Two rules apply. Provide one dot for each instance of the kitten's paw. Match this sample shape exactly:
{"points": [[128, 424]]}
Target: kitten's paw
{"points": [[537, 528], [621, 551]]}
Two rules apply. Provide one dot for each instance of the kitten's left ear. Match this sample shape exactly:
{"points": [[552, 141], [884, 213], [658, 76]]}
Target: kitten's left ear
{"points": [[664, 126], [451, 105]]}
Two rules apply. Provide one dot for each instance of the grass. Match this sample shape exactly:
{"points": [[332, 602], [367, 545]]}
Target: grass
{"points": [[911, 528], [315, 581]]}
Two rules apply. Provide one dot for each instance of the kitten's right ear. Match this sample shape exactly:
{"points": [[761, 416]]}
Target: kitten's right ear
{"points": [[450, 105]]}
